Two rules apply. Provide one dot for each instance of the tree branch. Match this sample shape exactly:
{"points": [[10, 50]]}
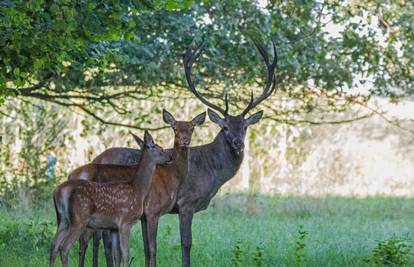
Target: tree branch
{"points": [[92, 114], [116, 123], [305, 121]]}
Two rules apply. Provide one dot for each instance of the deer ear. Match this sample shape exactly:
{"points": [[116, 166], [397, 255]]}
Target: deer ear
{"points": [[168, 118], [214, 117], [254, 118], [199, 119], [149, 141], [138, 140]]}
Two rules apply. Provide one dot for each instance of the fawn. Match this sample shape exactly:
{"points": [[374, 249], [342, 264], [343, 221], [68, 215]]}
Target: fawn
{"points": [[114, 205]]}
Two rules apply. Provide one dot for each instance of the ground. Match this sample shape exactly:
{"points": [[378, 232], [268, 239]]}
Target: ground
{"points": [[340, 232]]}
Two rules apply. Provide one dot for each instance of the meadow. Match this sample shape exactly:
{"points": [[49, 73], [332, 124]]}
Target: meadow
{"points": [[280, 231], [334, 80]]}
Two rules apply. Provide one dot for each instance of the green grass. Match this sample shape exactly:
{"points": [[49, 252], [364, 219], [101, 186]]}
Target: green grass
{"points": [[340, 232]]}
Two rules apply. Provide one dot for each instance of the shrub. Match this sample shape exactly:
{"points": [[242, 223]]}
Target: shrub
{"points": [[27, 236], [258, 256], [391, 252], [237, 252], [300, 245]]}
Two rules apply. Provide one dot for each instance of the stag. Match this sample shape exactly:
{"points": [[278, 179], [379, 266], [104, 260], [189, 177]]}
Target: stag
{"points": [[210, 165], [80, 204], [163, 192]]}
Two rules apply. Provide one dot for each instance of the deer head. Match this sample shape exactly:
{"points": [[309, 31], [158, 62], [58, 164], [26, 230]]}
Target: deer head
{"points": [[156, 152], [233, 127], [183, 130]]}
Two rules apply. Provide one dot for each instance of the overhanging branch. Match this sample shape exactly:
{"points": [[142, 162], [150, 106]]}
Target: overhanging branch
{"points": [[312, 122], [68, 103]]}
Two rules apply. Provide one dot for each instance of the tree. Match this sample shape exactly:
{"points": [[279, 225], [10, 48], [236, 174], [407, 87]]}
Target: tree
{"points": [[44, 41], [133, 50]]}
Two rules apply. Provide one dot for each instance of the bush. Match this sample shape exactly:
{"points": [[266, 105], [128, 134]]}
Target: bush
{"points": [[27, 236], [258, 257], [394, 251], [300, 246], [237, 252]]}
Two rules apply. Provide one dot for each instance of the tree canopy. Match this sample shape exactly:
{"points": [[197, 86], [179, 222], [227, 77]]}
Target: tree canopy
{"points": [[78, 53]]}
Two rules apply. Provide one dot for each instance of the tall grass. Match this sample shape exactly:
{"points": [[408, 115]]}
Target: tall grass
{"points": [[339, 232]]}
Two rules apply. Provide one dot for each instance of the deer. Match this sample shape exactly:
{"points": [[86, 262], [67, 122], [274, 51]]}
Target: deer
{"points": [[94, 172], [82, 204], [165, 182], [210, 165], [99, 173]]}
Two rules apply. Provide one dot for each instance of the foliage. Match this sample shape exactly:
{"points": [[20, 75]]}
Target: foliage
{"points": [[300, 245], [31, 236], [236, 254], [394, 251], [41, 40], [133, 50], [389, 61], [258, 257], [30, 136], [39, 37]]}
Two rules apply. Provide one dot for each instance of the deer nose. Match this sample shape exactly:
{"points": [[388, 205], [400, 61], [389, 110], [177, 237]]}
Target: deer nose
{"points": [[170, 159], [185, 141], [237, 143]]}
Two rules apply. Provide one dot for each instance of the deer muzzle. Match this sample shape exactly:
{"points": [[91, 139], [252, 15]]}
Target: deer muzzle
{"points": [[238, 145]]}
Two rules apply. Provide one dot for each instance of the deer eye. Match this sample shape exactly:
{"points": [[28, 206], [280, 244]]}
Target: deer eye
{"points": [[225, 128]]}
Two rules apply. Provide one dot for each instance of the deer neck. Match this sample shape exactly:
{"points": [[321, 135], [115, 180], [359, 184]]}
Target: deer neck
{"points": [[144, 172], [180, 159]]}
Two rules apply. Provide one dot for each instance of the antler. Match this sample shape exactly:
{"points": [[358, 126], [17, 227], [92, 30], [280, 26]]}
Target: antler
{"points": [[189, 58], [270, 83]]}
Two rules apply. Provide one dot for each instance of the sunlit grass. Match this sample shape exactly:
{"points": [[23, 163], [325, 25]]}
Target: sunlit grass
{"points": [[341, 232]]}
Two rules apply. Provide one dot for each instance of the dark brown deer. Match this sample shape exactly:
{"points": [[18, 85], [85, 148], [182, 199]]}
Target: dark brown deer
{"points": [[161, 198], [114, 205], [210, 165]]}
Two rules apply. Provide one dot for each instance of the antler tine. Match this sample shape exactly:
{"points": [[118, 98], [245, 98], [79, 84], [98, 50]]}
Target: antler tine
{"points": [[249, 106], [191, 57], [270, 83], [226, 101], [274, 53], [188, 60], [262, 51], [270, 67]]}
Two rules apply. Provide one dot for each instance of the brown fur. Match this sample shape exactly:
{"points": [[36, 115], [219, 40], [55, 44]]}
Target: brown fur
{"points": [[114, 205], [165, 182]]}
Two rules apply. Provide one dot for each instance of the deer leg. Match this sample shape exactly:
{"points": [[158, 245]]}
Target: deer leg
{"points": [[106, 237], [145, 240], [124, 233], [73, 235], [95, 252], [83, 245], [152, 227], [57, 240], [116, 250], [186, 219]]}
